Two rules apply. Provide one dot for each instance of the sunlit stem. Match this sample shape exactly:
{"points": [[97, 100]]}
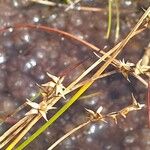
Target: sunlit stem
{"points": [[67, 135], [109, 18], [117, 20]]}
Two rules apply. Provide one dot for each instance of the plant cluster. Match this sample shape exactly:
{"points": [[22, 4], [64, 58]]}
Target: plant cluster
{"points": [[52, 91]]}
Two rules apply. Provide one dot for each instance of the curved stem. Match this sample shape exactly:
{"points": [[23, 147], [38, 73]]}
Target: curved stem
{"points": [[67, 135]]}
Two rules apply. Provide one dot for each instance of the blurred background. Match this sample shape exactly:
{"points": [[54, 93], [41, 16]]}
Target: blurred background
{"points": [[27, 54]]}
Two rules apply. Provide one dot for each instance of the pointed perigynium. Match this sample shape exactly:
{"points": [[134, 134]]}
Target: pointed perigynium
{"points": [[135, 106], [113, 116], [125, 68], [96, 116], [41, 108], [141, 69], [56, 84], [46, 92]]}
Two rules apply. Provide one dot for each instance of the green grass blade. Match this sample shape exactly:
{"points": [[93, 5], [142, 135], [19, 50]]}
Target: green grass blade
{"points": [[55, 117]]}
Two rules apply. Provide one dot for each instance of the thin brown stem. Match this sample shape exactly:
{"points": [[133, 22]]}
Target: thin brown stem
{"points": [[19, 129], [68, 134]]}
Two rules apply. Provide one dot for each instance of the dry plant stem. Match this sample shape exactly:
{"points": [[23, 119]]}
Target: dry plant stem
{"points": [[140, 79], [45, 2], [53, 4], [20, 108], [22, 134], [92, 9], [146, 56], [9, 131], [148, 102], [116, 63], [82, 8], [29, 127], [109, 18], [95, 9], [52, 102], [106, 55], [68, 134], [147, 12], [117, 20], [35, 120], [71, 6], [87, 71], [10, 137], [130, 35], [146, 59], [74, 88], [48, 29], [88, 80], [97, 116], [116, 50], [38, 94]]}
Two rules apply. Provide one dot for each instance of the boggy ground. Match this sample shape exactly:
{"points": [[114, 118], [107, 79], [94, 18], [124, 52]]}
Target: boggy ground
{"points": [[26, 55]]}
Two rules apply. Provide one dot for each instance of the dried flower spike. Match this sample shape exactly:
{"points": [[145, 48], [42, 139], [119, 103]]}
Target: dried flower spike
{"points": [[126, 68], [113, 115], [94, 116], [135, 106], [127, 65], [141, 69], [57, 84], [41, 108]]}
